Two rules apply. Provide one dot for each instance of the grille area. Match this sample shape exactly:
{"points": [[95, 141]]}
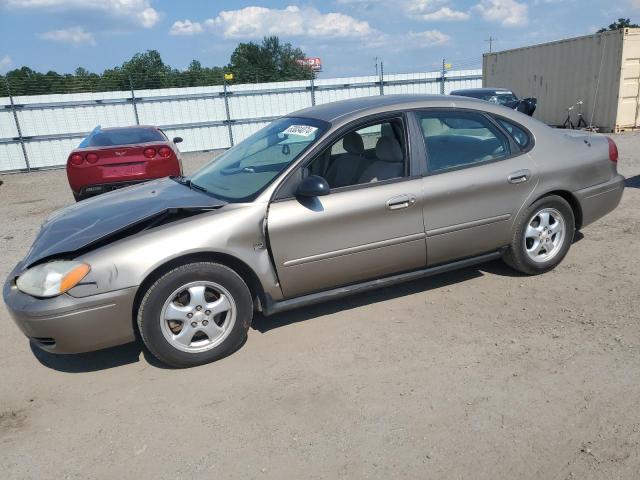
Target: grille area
{"points": [[44, 341]]}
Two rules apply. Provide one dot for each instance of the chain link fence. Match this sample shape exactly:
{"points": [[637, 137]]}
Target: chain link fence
{"points": [[39, 131]]}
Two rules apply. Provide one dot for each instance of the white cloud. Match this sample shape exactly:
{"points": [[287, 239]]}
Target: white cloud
{"points": [[445, 13], [140, 11], [75, 36], [253, 22], [431, 38], [509, 13], [433, 10], [186, 27], [5, 63]]}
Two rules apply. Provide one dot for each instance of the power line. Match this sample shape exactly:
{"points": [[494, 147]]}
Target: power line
{"points": [[490, 41]]}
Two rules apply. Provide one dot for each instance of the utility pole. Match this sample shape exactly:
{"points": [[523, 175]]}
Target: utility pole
{"points": [[443, 73], [17, 122], [376, 60], [133, 101], [225, 78], [490, 41]]}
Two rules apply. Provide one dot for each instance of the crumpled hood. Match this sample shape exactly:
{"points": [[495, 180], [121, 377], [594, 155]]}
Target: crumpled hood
{"points": [[90, 221]]}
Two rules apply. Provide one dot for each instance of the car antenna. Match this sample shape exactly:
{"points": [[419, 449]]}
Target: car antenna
{"points": [[595, 96]]}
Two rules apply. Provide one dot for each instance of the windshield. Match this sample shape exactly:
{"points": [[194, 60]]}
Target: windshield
{"points": [[245, 170], [501, 98]]}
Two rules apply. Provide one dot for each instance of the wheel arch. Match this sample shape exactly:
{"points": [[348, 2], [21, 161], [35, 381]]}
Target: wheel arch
{"points": [[570, 199], [235, 264]]}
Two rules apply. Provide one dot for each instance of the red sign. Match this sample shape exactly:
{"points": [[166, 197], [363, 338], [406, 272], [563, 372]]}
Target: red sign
{"points": [[315, 63]]}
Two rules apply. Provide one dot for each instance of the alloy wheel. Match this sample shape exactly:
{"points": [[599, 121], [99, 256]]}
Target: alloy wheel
{"points": [[198, 316], [544, 235]]}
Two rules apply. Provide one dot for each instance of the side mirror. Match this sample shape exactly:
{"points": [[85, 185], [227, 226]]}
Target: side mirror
{"points": [[528, 106], [312, 186], [177, 139]]}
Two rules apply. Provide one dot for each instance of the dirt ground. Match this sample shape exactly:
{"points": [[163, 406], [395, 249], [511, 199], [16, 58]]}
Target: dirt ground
{"points": [[477, 374]]}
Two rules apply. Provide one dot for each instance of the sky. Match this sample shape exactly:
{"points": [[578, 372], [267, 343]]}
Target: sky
{"points": [[408, 35]]}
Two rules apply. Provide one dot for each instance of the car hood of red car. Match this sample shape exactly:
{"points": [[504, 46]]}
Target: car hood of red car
{"points": [[95, 221]]}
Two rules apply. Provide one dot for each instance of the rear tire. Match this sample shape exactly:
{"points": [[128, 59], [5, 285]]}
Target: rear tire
{"points": [[195, 314], [543, 235]]}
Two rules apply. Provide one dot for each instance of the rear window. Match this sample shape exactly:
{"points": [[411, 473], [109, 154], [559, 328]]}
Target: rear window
{"points": [[121, 136]]}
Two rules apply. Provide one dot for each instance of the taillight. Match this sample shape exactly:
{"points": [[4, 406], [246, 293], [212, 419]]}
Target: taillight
{"points": [[613, 151], [149, 152], [76, 159], [164, 152], [91, 157]]}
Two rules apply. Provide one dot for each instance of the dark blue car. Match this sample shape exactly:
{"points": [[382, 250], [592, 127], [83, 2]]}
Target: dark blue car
{"points": [[501, 96]]}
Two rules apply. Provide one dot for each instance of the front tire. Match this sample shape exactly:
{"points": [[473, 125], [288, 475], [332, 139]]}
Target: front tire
{"points": [[544, 233], [195, 314]]}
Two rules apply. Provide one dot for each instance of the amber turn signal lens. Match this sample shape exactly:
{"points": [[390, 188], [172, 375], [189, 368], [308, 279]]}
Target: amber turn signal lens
{"points": [[74, 277]]}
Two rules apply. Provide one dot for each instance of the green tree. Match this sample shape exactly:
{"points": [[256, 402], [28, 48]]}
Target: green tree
{"points": [[620, 23], [147, 70], [270, 61]]}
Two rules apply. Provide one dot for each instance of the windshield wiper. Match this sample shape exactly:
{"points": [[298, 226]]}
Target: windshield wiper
{"points": [[181, 180], [193, 186], [188, 183]]}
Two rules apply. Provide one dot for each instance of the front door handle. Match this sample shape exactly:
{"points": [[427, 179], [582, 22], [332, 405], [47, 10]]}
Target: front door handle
{"points": [[401, 201], [520, 176]]}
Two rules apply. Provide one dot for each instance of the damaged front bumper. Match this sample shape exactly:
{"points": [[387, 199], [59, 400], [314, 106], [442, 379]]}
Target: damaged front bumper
{"points": [[66, 324]]}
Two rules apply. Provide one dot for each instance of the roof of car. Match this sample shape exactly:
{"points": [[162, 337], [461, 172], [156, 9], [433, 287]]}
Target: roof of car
{"points": [[330, 112], [131, 127], [480, 90]]}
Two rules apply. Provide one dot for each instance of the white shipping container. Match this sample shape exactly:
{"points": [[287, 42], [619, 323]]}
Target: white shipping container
{"points": [[601, 70]]}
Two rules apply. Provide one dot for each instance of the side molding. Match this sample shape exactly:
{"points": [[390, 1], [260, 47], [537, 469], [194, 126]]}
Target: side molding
{"points": [[271, 307]]}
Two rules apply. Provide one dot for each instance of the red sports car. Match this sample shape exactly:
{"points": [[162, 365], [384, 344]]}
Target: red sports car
{"points": [[111, 158]]}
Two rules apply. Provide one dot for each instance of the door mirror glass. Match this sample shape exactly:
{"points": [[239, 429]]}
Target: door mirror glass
{"points": [[312, 186], [177, 139], [528, 106]]}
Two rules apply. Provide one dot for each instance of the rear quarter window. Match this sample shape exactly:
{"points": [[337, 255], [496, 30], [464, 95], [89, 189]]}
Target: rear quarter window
{"points": [[520, 136]]}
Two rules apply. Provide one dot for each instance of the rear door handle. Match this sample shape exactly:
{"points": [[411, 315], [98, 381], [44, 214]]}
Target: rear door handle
{"points": [[401, 201], [520, 176]]}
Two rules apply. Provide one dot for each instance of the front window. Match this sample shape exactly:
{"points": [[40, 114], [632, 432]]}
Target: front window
{"points": [[370, 154], [245, 170]]}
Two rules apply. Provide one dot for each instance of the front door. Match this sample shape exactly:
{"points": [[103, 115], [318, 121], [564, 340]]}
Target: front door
{"points": [[368, 226]]}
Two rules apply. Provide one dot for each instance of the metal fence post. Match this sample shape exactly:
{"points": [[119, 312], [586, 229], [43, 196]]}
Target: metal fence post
{"points": [[381, 78], [17, 122], [442, 78], [226, 107], [133, 101], [313, 92]]}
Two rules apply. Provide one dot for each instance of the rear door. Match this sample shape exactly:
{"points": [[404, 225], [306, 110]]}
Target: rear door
{"points": [[368, 226], [479, 176]]}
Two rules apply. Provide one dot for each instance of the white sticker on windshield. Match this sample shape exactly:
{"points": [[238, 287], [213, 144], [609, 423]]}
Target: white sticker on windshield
{"points": [[301, 130]]}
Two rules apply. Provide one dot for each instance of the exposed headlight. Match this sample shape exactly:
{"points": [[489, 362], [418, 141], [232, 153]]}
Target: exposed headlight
{"points": [[53, 278]]}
